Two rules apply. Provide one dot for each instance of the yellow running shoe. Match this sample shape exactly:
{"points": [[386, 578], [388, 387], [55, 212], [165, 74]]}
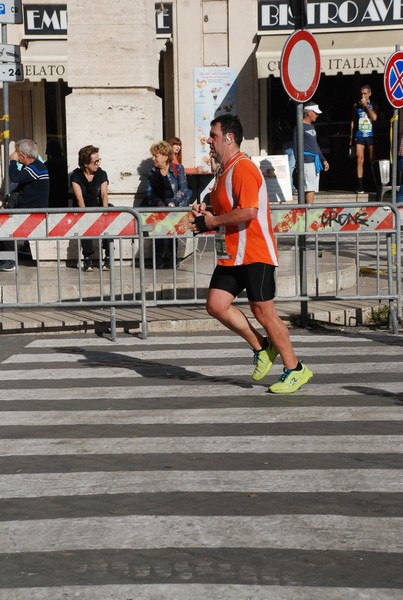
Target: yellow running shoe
{"points": [[263, 360], [291, 380]]}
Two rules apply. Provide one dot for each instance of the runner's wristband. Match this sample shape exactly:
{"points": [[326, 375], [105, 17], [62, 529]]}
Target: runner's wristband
{"points": [[200, 223]]}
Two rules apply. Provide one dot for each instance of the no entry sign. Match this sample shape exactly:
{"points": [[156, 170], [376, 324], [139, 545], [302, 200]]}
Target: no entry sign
{"points": [[393, 79], [300, 66]]}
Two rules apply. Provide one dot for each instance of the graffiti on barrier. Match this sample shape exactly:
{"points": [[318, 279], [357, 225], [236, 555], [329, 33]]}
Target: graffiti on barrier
{"points": [[343, 219]]}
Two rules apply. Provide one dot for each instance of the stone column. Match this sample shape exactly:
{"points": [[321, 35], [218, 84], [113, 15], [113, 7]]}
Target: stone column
{"points": [[113, 72]]}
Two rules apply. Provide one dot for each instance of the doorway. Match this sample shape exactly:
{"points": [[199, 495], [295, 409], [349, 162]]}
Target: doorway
{"points": [[335, 96]]}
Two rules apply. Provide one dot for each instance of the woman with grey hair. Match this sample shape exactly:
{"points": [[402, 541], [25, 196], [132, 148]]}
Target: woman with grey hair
{"points": [[166, 186]]}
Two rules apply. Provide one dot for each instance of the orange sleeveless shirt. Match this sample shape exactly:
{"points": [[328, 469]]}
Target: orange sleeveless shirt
{"points": [[241, 185]]}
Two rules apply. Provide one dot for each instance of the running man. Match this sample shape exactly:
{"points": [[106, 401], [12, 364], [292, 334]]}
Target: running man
{"points": [[247, 256]]}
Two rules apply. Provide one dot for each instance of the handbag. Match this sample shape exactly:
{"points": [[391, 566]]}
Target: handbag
{"points": [[10, 200]]}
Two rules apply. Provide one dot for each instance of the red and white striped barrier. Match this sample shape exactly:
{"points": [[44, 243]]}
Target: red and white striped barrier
{"points": [[67, 225], [121, 223], [91, 224], [23, 226]]}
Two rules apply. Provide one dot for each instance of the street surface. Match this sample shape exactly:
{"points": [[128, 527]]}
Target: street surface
{"points": [[156, 469]]}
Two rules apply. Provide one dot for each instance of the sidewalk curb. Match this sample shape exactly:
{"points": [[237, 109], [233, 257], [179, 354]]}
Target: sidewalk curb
{"points": [[173, 318]]}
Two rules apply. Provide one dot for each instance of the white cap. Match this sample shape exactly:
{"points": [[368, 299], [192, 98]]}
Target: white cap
{"points": [[314, 108]]}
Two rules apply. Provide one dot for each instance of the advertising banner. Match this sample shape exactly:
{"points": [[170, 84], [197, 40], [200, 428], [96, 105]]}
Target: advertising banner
{"points": [[214, 95], [276, 172]]}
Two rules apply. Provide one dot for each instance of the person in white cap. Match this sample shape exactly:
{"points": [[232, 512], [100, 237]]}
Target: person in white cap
{"points": [[314, 161]]}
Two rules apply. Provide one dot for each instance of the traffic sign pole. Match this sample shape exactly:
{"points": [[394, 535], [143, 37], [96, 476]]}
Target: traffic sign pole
{"points": [[6, 122], [300, 74], [395, 134], [393, 83], [10, 12]]}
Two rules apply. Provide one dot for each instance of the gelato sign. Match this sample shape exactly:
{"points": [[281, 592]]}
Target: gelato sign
{"points": [[275, 15], [46, 70]]}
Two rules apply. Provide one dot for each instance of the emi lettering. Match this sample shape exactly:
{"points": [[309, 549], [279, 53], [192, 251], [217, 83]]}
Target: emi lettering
{"points": [[41, 21]]}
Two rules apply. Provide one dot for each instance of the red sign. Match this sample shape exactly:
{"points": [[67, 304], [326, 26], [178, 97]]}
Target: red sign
{"points": [[300, 66], [393, 79]]}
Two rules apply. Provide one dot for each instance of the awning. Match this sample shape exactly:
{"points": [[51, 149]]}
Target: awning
{"points": [[344, 52], [45, 59]]}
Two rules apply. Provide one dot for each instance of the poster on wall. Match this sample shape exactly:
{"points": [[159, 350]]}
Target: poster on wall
{"points": [[276, 173], [214, 95]]}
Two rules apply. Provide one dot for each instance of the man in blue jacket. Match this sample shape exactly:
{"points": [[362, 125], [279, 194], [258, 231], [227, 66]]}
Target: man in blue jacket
{"points": [[314, 161], [32, 185]]}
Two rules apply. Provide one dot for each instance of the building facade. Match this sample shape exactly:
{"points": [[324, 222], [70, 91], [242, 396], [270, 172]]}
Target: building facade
{"points": [[123, 75]]}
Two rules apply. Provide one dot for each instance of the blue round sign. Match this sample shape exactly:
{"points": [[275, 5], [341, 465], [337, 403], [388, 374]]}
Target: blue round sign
{"points": [[393, 79]]}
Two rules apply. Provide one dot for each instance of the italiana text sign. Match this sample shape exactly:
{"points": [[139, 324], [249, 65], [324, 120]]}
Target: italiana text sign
{"points": [[10, 11]]}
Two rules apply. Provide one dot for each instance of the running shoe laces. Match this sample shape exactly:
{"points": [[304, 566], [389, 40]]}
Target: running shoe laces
{"points": [[291, 380], [285, 374], [263, 361]]}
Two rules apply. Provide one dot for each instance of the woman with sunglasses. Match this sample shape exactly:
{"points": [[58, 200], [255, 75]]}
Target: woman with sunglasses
{"points": [[90, 188]]}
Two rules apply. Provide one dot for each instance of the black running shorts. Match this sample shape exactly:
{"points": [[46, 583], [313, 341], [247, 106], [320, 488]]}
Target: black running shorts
{"points": [[257, 279], [368, 141]]}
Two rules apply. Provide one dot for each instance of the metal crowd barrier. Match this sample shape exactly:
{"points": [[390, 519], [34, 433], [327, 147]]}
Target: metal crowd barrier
{"points": [[368, 234], [54, 281], [348, 240]]}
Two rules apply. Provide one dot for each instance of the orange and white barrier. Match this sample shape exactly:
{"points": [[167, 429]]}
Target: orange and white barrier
{"points": [[42, 225]]}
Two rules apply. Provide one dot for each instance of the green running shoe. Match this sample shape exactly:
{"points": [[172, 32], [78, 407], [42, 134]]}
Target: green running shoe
{"points": [[291, 380], [263, 360]]}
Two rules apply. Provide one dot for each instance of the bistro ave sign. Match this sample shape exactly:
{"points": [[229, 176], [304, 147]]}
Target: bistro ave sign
{"points": [[275, 15]]}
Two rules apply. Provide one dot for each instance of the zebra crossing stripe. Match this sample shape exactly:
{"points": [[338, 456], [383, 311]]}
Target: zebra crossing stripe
{"points": [[187, 341], [131, 370], [296, 444], [270, 414], [284, 481], [208, 391], [198, 592], [157, 355], [319, 532]]}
